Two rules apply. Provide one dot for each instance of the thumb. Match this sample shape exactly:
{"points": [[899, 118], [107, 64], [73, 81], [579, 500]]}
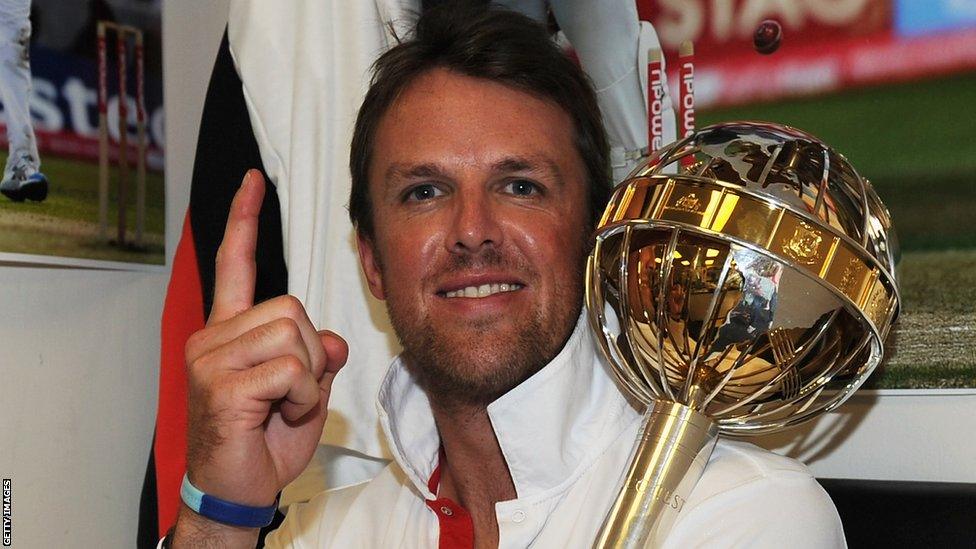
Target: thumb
{"points": [[336, 351]]}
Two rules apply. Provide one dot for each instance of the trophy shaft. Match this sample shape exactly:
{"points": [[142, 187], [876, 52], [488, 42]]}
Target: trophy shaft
{"points": [[671, 454]]}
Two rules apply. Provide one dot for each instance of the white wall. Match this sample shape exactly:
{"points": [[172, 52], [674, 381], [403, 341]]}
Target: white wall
{"points": [[77, 401], [898, 435], [79, 349], [191, 36]]}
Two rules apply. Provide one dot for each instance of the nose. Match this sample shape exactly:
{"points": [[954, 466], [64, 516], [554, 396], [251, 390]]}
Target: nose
{"points": [[475, 225]]}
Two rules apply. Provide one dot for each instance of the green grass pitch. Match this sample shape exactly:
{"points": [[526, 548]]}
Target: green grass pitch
{"points": [[916, 143], [66, 223]]}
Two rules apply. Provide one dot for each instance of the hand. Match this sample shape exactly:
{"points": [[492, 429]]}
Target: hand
{"points": [[259, 376]]}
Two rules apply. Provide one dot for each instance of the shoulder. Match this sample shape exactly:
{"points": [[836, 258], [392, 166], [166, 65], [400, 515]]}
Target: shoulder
{"points": [[736, 463], [751, 497], [322, 521]]}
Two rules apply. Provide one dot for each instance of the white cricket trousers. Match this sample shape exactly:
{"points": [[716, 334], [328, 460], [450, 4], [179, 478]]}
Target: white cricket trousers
{"points": [[15, 85], [607, 38]]}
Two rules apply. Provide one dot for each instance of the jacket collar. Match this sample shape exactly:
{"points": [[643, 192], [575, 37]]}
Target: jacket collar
{"points": [[549, 427]]}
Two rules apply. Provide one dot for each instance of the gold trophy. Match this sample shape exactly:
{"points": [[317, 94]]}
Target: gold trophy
{"points": [[742, 281]]}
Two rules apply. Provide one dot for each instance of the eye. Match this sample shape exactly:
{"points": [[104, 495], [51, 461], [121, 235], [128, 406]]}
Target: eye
{"points": [[421, 193], [522, 187]]}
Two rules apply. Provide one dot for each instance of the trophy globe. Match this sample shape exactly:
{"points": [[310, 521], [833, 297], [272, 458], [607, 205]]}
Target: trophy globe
{"points": [[742, 281]]}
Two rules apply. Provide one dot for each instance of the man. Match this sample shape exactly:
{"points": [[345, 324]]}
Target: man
{"points": [[304, 147], [479, 166], [21, 176]]}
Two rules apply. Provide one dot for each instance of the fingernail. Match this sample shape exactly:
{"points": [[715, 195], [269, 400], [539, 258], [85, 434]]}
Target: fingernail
{"points": [[247, 179]]}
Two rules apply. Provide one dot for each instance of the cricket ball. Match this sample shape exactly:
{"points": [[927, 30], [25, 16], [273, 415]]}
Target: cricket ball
{"points": [[767, 37]]}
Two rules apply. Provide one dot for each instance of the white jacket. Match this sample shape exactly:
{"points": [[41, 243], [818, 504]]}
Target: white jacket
{"points": [[566, 434]]}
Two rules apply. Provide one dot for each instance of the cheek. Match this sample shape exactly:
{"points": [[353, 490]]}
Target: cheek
{"points": [[409, 250], [573, 248], [558, 250]]}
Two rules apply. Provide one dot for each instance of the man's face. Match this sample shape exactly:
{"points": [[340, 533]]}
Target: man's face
{"points": [[480, 224]]}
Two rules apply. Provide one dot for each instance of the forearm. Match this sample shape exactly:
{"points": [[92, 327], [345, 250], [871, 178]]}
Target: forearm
{"points": [[195, 531]]}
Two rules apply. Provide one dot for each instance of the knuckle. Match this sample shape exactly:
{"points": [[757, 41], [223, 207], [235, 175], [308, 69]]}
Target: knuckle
{"points": [[287, 329], [292, 307], [292, 367], [259, 335], [196, 367], [279, 333], [194, 345], [265, 334]]}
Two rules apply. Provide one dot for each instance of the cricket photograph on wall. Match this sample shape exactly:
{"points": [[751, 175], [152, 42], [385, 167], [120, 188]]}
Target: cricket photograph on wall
{"points": [[890, 84], [81, 133]]}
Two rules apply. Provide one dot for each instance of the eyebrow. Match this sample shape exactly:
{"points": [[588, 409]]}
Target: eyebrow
{"points": [[532, 164], [415, 171]]}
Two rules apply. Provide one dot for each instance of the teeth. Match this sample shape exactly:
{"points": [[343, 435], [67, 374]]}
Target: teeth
{"points": [[484, 290]]}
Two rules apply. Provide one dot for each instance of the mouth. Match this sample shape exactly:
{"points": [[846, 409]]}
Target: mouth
{"points": [[479, 286], [484, 290]]}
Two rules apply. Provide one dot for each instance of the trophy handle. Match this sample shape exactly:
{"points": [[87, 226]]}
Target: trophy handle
{"points": [[671, 453]]}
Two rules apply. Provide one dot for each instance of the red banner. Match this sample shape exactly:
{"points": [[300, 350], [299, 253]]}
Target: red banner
{"points": [[68, 144], [720, 28], [827, 45], [814, 69]]}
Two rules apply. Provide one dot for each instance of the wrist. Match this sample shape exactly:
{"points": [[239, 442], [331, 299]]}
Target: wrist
{"points": [[230, 513], [251, 489], [194, 530]]}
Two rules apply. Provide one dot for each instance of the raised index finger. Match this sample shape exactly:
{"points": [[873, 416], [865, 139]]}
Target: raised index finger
{"points": [[235, 269]]}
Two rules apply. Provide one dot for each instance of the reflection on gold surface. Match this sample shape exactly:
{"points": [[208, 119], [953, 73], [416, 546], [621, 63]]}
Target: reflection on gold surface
{"points": [[775, 228], [691, 315], [753, 221]]}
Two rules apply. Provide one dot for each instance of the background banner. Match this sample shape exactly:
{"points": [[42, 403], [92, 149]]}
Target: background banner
{"points": [[829, 45]]}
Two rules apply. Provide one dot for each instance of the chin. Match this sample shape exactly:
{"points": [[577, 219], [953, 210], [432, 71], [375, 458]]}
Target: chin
{"points": [[463, 367], [474, 359]]}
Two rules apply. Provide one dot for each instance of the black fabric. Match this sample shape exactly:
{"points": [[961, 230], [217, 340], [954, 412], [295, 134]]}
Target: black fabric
{"points": [[148, 533], [275, 523], [226, 149], [431, 4], [892, 514]]}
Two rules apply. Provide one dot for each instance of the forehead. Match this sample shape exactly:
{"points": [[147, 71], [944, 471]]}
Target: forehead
{"points": [[450, 119]]}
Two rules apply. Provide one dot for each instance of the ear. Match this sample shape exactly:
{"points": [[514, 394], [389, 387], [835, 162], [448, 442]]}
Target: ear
{"points": [[368, 258]]}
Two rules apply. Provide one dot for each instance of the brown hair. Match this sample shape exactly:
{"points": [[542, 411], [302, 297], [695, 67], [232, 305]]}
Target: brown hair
{"points": [[498, 45]]}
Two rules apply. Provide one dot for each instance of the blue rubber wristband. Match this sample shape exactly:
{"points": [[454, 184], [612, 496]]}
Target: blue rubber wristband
{"points": [[225, 512]]}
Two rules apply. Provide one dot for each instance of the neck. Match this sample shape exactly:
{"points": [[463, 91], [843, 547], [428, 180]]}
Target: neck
{"points": [[474, 473]]}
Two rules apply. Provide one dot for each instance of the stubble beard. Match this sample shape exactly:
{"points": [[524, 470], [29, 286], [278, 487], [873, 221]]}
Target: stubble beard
{"points": [[486, 365]]}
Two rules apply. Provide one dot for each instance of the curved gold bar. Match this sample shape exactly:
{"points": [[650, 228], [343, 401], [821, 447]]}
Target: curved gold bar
{"points": [[718, 208]]}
